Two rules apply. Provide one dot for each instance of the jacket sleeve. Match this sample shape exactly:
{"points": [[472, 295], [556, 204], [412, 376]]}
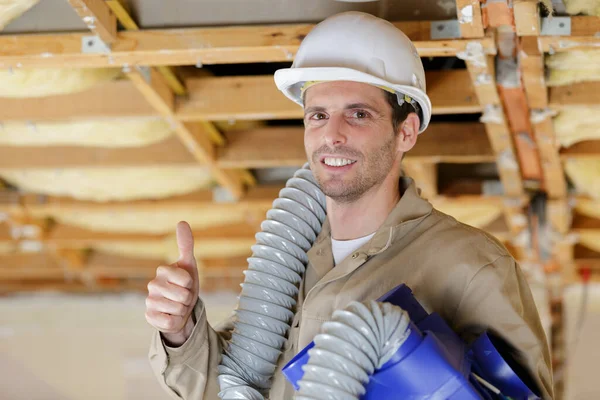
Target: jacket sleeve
{"points": [[498, 299], [189, 372]]}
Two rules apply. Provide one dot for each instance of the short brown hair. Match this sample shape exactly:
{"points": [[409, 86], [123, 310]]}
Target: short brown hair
{"points": [[400, 112]]}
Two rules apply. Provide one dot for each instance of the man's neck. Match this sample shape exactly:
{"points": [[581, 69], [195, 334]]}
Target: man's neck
{"points": [[365, 215]]}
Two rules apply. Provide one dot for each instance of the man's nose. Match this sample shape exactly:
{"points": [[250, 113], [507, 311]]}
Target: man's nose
{"points": [[334, 131]]}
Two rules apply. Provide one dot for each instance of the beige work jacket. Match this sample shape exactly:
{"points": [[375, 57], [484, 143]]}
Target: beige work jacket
{"points": [[458, 271]]}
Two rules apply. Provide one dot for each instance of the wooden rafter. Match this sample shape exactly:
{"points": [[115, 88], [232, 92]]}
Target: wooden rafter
{"points": [[583, 36], [483, 76], [98, 18], [470, 19], [195, 46], [514, 100], [442, 142], [156, 90], [527, 17], [214, 99], [531, 64]]}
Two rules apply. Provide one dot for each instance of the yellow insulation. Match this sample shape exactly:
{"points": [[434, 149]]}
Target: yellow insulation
{"points": [[588, 207], [569, 67], [12, 9], [51, 81], [477, 215], [121, 132], [104, 184], [577, 124], [590, 239], [167, 250], [587, 7], [159, 221], [585, 175]]}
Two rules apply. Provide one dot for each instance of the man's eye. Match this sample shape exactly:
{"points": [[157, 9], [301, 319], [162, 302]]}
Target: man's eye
{"points": [[361, 114], [319, 116]]}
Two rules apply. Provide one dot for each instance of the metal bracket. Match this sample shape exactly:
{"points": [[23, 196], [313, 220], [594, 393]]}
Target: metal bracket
{"points": [[449, 29], [93, 45], [556, 26], [145, 71], [222, 195]]}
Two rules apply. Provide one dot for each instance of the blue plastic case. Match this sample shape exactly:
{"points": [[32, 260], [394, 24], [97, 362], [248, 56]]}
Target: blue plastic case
{"points": [[433, 363]]}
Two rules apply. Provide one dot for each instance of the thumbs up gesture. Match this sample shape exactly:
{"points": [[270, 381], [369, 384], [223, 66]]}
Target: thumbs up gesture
{"points": [[173, 293]]}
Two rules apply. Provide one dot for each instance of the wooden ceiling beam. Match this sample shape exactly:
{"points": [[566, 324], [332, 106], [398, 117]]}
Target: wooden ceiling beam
{"points": [[98, 18], [584, 36], [214, 99], [585, 149], [527, 17], [193, 135], [195, 46], [470, 18], [442, 142], [257, 198], [574, 95], [226, 98]]}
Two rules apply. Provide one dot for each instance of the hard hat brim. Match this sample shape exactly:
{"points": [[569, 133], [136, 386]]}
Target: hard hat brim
{"points": [[290, 82]]}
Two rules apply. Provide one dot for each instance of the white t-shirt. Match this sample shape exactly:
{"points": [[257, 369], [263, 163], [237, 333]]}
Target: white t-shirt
{"points": [[342, 248]]}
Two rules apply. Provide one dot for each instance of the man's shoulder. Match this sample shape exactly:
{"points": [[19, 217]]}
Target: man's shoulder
{"points": [[472, 245]]}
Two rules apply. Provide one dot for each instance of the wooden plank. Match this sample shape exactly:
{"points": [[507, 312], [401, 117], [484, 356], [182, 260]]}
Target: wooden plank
{"points": [[508, 166], [69, 286], [237, 44], [226, 98], [167, 152], [483, 81], [215, 99], [483, 75], [531, 63], [257, 199], [442, 142], [98, 18], [425, 176], [574, 95], [527, 17], [66, 236], [196, 140], [129, 24], [584, 36], [117, 99], [584, 223], [469, 18], [559, 215], [27, 266], [517, 111], [498, 13], [554, 177], [585, 149]]}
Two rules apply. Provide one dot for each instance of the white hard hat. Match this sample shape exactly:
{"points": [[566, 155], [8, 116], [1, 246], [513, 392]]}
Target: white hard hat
{"points": [[359, 47]]}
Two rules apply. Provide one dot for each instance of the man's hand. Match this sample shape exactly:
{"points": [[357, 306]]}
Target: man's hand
{"points": [[172, 295]]}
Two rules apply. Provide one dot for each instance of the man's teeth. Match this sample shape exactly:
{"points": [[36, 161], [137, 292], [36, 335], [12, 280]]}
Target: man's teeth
{"points": [[338, 162]]}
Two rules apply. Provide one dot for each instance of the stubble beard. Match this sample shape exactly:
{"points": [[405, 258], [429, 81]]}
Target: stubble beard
{"points": [[374, 168]]}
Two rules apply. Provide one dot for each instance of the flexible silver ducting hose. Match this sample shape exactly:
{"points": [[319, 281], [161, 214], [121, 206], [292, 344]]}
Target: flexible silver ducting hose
{"points": [[270, 290], [356, 342]]}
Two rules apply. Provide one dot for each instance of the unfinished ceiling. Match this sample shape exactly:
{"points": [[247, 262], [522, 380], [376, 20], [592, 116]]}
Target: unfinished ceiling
{"points": [[99, 159]]}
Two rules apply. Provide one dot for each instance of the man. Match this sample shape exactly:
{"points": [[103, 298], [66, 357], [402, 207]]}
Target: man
{"points": [[362, 86]]}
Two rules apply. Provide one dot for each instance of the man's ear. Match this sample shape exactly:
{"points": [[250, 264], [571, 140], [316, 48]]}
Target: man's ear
{"points": [[409, 130]]}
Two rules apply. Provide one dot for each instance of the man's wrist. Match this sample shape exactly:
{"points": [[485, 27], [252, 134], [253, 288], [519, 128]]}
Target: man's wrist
{"points": [[175, 340]]}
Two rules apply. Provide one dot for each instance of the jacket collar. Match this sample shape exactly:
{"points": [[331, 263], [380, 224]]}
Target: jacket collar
{"points": [[408, 212]]}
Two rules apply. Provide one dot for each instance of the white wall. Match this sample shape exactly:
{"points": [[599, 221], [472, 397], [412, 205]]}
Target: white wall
{"points": [[58, 347]]}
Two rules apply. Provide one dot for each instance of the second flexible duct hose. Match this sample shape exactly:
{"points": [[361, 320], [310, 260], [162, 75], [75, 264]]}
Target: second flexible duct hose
{"points": [[270, 289], [356, 342]]}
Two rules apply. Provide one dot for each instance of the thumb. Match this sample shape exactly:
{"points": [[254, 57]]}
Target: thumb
{"points": [[185, 243]]}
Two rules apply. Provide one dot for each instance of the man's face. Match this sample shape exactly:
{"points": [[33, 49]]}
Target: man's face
{"points": [[348, 137]]}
